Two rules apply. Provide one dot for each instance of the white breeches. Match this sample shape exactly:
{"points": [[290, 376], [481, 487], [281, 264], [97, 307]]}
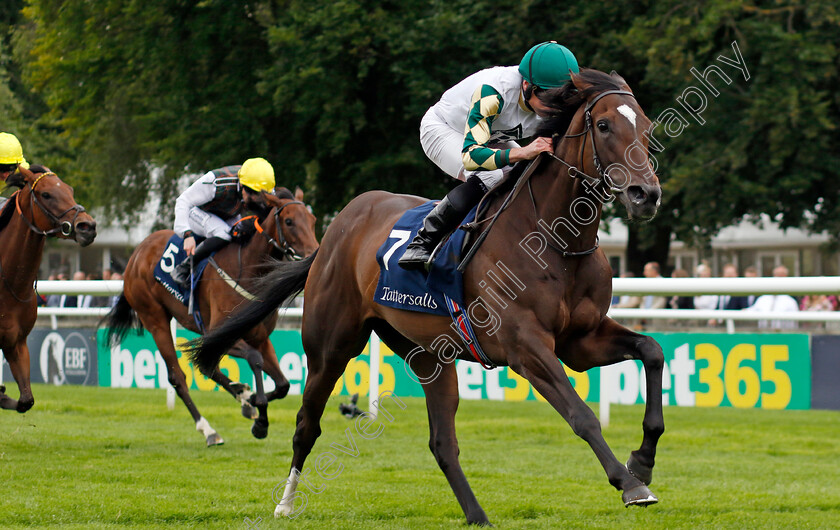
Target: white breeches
{"points": [[443, 145], [208, 225]]}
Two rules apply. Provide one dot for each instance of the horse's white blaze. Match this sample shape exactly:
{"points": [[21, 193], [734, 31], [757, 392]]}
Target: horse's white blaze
{"points": [[204, 426], [287, 503], [628, 113]]}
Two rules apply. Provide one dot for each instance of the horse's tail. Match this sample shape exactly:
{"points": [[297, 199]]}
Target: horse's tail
{"points": [[285, 281], [119, 321]]}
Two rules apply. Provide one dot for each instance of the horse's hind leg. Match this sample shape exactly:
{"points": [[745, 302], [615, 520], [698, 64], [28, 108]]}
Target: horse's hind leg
{"points": [[442, 404], [327, 357], [158, 327], [18, 358]]}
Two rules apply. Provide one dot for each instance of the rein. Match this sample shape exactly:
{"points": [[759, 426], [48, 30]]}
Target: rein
{"points": [[283, 246], [65, 228], [572, 171]]}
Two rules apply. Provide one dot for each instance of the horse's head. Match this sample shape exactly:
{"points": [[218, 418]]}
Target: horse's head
{"points": [[52, 207], [293, 223], [614, 146]]}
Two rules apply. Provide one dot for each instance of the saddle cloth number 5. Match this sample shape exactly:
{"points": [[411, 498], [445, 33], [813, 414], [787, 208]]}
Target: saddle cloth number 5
{"points": [[167, 261], [402, 238]]}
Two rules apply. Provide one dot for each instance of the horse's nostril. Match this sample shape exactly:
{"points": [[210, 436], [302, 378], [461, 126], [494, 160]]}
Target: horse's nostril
{"points": [[636, 194], [86, 227]]}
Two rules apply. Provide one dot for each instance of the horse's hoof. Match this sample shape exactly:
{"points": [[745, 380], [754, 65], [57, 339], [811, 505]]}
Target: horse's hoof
{"points": [[283, 510], [2, 389], [639, 470], [638, 496], [259, 429], [249, 412], [214, 439]]}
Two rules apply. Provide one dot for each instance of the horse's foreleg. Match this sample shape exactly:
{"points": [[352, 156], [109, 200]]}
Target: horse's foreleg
{"points": [[18, 359], [272, 368], [614, 343], [442, 403], [255, 360], [539, 365]]}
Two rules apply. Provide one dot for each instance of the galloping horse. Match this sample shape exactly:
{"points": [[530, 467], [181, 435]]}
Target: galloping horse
{"points": [[558, 291], [43, 207], [288, 230]]}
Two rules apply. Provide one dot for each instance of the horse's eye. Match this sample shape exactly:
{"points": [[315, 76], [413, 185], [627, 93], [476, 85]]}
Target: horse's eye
{"points": [[603, 126], [46, 195], [289, 222]]}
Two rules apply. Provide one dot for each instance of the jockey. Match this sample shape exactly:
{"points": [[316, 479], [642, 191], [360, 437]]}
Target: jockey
{"points": [[212, 205], [499, 106], [11, 156]]}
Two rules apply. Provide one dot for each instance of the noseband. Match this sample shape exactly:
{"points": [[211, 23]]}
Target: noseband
{"points": [[282, 245], [587, 118], [65, 228]]}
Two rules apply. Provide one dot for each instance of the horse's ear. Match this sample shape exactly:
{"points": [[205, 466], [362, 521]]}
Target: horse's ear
{"points": [[28, 176], [282, 192], [620, 80], [579, 82], [298, 194]]}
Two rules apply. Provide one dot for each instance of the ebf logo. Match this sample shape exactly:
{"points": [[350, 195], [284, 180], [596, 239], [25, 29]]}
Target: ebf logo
{"points": [[65, 360]]}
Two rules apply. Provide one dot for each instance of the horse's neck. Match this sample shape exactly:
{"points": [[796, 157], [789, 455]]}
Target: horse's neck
{"points": [[22, 252], [249, 258], [568, 209]]}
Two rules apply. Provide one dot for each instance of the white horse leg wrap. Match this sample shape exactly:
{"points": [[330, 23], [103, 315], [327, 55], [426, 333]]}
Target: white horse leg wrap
{"points": [[204, 426], [286, 505]]}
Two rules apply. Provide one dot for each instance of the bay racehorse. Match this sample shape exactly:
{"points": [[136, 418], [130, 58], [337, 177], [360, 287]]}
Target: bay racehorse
{"points": [[44, 207], [287, 231], [538, 290]]}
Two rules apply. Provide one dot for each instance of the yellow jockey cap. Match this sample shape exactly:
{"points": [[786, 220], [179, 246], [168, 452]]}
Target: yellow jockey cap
{"points": [[10, 150], [257, 174]]}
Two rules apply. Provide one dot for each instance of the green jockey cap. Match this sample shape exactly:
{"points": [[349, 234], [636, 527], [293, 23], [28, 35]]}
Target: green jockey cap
{"points": [[547, 65]]}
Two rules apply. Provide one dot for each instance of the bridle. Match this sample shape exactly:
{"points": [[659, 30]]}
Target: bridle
{"points": [[574, 172], [65, 228], [587, 119], [282, 245]]}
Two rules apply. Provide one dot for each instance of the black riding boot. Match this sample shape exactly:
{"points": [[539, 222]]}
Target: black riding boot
{"points": [[442, 220], [181, 274]]}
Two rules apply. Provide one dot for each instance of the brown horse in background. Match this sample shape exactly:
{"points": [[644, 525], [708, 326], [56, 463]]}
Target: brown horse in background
{"points": [[43, 207], [288, 230], [538, 291]]}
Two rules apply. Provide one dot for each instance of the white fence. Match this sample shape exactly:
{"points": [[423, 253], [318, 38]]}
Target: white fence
{"points": [[621, 286]]}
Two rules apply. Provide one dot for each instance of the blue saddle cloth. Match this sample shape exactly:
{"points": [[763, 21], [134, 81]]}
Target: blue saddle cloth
{"points": [[416, 290], [172, 256]]}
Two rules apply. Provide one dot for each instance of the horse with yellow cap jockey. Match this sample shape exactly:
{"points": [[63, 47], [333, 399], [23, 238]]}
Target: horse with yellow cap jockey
{"points": [[213, 204]]}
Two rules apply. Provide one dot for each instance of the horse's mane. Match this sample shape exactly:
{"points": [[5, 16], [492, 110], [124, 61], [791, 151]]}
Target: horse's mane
{"points": [[568, 98]]}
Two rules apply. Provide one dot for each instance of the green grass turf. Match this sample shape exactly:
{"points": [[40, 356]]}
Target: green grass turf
{"points": [[95, 457]]}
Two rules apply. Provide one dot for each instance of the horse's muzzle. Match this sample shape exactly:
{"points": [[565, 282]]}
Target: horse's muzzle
{"points": [[84, 231], [642, 201]]}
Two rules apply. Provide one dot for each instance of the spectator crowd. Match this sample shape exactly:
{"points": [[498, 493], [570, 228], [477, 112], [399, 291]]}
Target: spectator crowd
{"points": [[82, 300], [763, 303]]}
